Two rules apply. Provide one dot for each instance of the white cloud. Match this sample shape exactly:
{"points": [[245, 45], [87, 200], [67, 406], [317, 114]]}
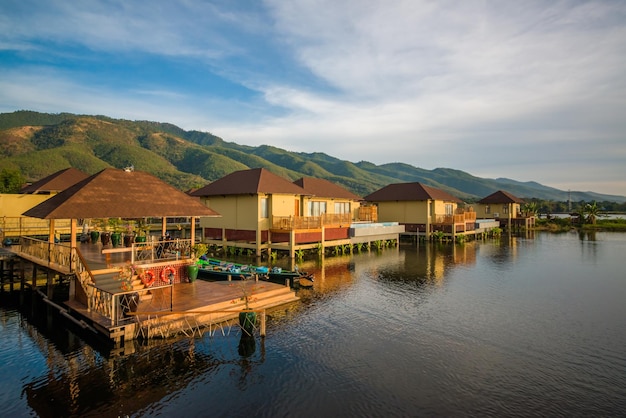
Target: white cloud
{"points": [[517, 87]]}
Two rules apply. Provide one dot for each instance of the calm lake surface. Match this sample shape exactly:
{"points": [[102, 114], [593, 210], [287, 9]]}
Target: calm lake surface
{"points": [[521, 326]]}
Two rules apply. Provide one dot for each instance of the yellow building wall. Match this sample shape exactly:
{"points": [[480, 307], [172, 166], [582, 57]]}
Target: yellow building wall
{"points": [[243, 212], [498, 208], [412, 212], [13, 205], [284, 205], [238, 212]]}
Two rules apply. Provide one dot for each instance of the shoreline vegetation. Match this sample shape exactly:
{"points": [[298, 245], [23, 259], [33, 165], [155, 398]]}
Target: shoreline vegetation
{"points": [[558, 224]]}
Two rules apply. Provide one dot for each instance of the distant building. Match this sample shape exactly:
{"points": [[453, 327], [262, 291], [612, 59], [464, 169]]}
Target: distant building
{"points": [[505, 208], [422, 209]]}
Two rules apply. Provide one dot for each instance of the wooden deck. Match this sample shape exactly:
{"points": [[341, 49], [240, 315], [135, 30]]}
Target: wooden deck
{"points": [[185, 307]]}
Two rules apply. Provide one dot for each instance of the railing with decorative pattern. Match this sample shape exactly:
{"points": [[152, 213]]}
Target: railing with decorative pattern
{"points": [[153, 251], [115, 306]]}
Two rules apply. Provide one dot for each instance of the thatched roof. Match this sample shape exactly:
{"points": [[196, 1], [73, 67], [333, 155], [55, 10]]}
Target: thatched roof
{"points": [[253, 181], [55, 182], [410, 192], [500, 197], [113, 193], [324, 188]]}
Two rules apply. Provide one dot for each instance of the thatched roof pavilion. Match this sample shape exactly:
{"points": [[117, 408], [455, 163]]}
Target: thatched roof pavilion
{"points": [[113, 193]]}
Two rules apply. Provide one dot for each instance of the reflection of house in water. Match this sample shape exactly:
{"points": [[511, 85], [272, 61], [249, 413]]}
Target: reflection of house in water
{"points": [[424, 264]]}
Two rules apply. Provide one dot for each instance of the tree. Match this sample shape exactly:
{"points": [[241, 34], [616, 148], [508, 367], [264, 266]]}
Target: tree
{"points": [[11, 181], [592, 211]]}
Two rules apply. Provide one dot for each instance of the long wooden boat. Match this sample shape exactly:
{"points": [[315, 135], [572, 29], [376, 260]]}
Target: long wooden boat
{"points": [[215, 269]]}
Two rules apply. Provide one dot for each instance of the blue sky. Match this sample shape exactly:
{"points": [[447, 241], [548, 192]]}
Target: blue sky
{"points": [[529, 90]]}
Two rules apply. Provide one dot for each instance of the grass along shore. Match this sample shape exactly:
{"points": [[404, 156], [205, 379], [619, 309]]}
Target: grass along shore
{"points": [[566, 224]]}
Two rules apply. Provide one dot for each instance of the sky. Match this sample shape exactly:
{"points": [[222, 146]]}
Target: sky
{"points": [[527, 90]]}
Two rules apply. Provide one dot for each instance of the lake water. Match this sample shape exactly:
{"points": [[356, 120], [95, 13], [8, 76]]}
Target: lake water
{"points": [[521, 326]]}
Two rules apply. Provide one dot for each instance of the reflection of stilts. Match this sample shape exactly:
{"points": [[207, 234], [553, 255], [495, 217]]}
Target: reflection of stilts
{"points": [[196, 323]]}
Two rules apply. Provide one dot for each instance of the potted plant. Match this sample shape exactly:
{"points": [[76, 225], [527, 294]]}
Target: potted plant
{"points": [[197, 251], [142, 231], [116, 236], [94, 234], [247, 318], [129, 233]]}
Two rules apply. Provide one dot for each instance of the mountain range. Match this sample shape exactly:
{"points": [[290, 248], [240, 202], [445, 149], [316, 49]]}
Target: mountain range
{"points": [[39, 144]]}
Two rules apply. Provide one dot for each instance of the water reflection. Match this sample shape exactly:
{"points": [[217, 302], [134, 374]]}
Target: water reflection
{"points": [[515, 326]]}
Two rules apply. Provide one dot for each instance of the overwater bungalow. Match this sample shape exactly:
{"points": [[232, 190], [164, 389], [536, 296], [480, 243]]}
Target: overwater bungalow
{"points": [[137, 290], [262, 211], [423, 210], [505, 208]]}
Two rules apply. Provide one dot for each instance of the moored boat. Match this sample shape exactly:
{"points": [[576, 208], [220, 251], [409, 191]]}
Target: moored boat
{"points": [[215, 269]]}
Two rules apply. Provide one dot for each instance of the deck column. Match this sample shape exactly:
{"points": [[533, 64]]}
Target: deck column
{"points": [[262, 327]]}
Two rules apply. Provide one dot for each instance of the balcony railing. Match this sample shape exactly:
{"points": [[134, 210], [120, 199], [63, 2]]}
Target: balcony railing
{"points": [[458, 218], [289, 223]]}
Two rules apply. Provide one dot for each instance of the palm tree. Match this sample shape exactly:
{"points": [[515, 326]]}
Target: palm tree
{"points": [[592, 211], [530, 208]]}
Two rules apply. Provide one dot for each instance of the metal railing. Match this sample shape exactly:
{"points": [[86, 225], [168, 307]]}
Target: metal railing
{"points": [[154, 251]]}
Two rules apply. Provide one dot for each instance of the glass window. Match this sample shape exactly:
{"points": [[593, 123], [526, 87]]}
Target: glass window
{"points": [[342, 207], [265, 208], [316, 208]]}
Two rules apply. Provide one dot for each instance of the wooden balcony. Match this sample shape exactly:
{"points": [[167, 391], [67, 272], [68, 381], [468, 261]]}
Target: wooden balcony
{"points": [[459, 217], [289, 223]]}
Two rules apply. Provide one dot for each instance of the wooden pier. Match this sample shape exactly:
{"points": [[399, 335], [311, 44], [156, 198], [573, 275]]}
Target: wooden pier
{"points": [[158, 311]]}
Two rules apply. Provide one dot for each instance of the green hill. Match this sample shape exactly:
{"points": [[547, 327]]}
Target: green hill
{"points": [[39, 144]]}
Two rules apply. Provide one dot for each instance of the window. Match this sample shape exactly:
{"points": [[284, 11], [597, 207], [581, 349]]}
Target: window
{"points": [[265, 207], [342, 207], [487, 209], [316, 208], [449, 210], [505, 209]]}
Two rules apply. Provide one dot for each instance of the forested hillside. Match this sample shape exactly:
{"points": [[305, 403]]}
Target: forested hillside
{"points": [[39, 144]]}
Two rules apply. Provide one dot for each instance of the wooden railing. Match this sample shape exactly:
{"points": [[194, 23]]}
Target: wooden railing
{"points": [[311, 222], [458, 218], [115, 306], [49, 252]]}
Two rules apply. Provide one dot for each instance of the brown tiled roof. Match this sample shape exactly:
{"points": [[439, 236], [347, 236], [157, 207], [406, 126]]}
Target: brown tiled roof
{"points": [[253, 181], [324, 188], [410, 192], [500, 197], [55, 182], [113, 193]]}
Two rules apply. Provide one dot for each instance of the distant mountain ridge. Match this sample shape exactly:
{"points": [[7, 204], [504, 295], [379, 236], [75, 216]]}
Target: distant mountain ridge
{"points": [[39, 144]]}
